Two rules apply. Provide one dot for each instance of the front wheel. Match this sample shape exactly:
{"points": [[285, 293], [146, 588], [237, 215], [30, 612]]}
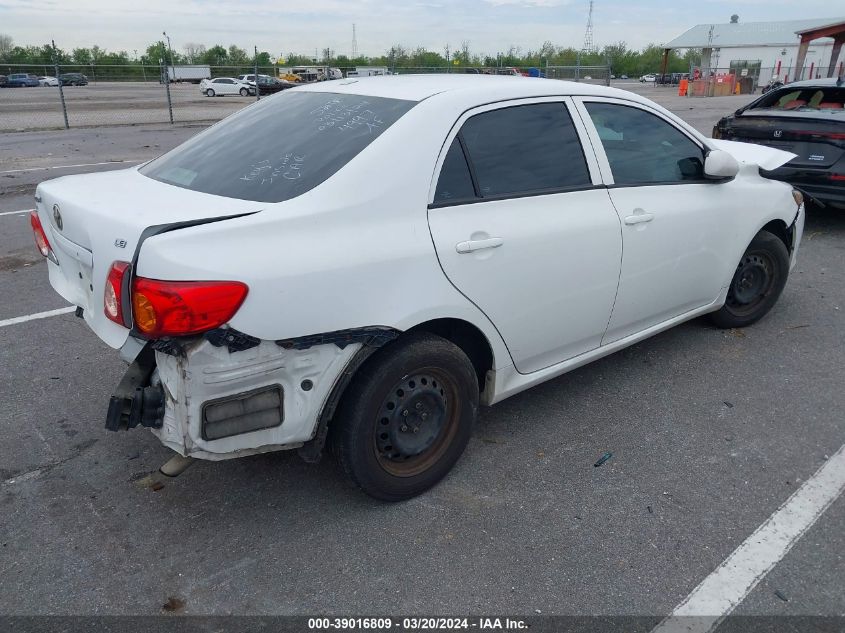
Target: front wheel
{"points": [[757, 283], [209, 92], [244, 92], [406, 417]]}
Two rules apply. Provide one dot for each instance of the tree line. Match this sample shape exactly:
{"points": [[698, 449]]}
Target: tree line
{"points": [[621, 58]]}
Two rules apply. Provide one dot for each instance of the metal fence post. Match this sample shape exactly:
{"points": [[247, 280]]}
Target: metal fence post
{"points": [[165, 76], [255, 75], [59, 80]]}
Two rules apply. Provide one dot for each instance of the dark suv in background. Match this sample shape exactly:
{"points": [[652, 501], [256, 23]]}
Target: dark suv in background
{"points": [[806, 118], [73, 79], [21, 80]]}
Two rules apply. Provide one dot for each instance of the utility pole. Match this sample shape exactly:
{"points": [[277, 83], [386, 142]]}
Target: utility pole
{"points": [[169, 51], [588, 35], [354, 43]]}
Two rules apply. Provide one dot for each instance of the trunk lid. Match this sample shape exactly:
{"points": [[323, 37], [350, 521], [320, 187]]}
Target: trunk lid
{"points": [[817, 142], [93, 220]]}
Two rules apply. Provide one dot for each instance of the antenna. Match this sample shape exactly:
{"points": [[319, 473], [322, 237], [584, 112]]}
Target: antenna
{"points": [[588, 35], [354, 43]]}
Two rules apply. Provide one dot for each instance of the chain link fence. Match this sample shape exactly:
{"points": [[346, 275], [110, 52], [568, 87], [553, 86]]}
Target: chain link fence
{"points": [[589, 74], [139, 94]]}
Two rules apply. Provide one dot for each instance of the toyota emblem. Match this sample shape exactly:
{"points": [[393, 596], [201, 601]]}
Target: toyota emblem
{"points": [[57, 216]]}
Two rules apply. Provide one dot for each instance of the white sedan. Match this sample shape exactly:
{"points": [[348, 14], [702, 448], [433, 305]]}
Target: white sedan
{"points": [[648, 78], [221, 86], [48, 81], [365, 262]]}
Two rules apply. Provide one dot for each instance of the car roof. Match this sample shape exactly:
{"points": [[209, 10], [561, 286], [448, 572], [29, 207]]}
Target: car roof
{"points": [[461, 86], [813, 83]]}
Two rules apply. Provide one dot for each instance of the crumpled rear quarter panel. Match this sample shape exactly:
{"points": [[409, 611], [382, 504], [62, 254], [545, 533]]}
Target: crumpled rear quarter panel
{"points": [[207, 373]]}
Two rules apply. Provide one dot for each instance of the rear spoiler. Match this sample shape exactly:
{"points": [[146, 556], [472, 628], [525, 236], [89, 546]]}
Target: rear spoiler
{"points": [[767, 158]]}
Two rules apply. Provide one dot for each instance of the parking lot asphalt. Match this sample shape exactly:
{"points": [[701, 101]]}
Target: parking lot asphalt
{"points": [[710, 430], [117, 103]]}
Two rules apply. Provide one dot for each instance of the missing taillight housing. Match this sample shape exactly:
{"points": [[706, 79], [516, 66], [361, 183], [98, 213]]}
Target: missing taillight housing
{"points": [[182, 308], [41, 240], [113, 293]]}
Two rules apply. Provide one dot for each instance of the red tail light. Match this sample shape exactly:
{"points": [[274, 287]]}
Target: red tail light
{"points": [[113, 294], [181, 308], [41, 240], [837, 176]]}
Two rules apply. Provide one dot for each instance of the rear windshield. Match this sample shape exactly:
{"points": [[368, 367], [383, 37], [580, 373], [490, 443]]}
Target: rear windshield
{"points": [[803, 99], [280, 147]]}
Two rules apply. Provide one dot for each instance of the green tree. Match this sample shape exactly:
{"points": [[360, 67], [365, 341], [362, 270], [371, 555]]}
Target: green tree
{"points": [[216, 56], [238, 56], [81, 56]]}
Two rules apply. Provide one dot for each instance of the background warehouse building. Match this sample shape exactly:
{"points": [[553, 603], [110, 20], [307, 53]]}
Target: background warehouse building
{"points": [[791, 50]]}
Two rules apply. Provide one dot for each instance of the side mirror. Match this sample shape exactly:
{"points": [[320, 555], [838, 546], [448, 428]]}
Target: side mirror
{"points": [[719, 164]]}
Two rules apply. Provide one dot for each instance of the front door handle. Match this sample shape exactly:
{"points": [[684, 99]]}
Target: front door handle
{"points": [[639, 217], [471, 246]]}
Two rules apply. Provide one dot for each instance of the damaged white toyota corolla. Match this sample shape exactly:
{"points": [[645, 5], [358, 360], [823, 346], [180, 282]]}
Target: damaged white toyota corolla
{"points": [[363, 262]]}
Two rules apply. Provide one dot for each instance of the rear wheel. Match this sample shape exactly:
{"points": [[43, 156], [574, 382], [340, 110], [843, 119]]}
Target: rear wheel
{"points": [[406, 417], [209, 92], [757, 283]]}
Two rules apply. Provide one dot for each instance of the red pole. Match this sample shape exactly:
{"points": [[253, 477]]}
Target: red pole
{"points": [[777, 70], [812, 66]]}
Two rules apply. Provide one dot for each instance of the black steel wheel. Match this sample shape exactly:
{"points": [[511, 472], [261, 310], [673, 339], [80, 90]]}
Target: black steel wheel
{"points": [[757, 282], [406, 417]]}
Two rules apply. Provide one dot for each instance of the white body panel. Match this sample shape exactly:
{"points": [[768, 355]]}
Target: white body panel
{"points": [[224, 86], [344, 256], [188, 73], [556, 271]]}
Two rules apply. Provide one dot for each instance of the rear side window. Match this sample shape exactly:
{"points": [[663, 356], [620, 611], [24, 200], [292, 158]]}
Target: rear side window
{"points": [[818, 98], [643, 148], [280, 147], [525, 149], [455, 182]]}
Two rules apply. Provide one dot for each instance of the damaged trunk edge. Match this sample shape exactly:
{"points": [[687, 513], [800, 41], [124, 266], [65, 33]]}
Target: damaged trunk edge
{"points": [[227, 394]]}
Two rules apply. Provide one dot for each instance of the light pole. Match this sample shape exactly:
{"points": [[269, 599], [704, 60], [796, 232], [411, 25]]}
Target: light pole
{"points": [[170, 53]]}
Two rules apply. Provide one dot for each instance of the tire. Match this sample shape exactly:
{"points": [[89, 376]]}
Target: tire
{"points": [[757, 283], [209, 92], [244, 92], [406, 417]]}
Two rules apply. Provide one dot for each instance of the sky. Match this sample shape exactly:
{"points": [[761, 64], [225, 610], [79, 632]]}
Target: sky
{"points": [[301, 27]]}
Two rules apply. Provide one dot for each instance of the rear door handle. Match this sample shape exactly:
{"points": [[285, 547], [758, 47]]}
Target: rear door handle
{"points": [[639, 217], [477, 245]]}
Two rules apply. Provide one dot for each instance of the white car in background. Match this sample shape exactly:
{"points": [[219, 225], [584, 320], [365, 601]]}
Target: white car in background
{"points": [[511, 231], [250, 79], [648, 78], [48, 81], [221, 86]]}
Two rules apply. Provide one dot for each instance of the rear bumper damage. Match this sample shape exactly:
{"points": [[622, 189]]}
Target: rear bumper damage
{"points": [[228, 395]]}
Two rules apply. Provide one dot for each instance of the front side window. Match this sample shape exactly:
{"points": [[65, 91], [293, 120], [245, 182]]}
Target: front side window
{"points": [[280, 147], [642, 148], [525, 149]]}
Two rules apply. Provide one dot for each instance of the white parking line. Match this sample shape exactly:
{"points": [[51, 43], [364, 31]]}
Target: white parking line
{"points": [[37, 315], [723, 590], [108, 162], [15, 212]]}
